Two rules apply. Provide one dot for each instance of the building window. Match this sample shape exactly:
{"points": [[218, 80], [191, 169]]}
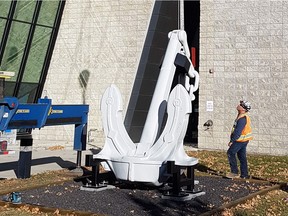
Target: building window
{"points": [[28, 31]]}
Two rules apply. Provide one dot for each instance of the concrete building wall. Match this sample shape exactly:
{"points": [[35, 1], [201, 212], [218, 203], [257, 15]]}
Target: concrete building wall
{"points": [[102, 42], [243, 55]]}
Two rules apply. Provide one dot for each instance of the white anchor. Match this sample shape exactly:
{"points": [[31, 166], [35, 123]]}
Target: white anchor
{"points": [[146, 161]]}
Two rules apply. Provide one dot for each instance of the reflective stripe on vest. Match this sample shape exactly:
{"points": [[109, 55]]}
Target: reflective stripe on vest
{"points": [[246, 134]]}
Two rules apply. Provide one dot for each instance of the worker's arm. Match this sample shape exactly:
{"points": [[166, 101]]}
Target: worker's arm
{"points": [[240, 124]]}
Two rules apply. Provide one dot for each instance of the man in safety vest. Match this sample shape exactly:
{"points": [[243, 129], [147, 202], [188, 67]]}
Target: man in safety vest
{"points": [[240, 136]]}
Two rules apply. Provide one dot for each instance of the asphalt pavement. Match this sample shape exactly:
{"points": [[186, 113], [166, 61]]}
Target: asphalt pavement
{"points": [[135, 199]]}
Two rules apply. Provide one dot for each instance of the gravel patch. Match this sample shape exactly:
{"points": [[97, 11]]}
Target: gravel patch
{"points": [[136, 200]]}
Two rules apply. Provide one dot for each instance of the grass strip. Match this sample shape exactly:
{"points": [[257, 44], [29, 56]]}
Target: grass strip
{"points": [[43, 209], [244, 199]]}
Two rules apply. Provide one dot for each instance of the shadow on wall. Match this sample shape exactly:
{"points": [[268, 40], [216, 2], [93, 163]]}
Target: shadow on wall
{"points": [[83, 80], [163, 19]]}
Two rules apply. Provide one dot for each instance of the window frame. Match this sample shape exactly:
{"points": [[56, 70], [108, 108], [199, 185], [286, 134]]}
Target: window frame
{"points": [[51, 44]]}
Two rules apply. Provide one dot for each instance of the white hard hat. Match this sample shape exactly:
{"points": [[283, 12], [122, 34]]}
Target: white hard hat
{"points": [[246, 105]]}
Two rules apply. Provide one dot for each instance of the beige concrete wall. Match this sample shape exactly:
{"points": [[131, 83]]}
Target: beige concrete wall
{"points": [[244, 44], [104, 38]]}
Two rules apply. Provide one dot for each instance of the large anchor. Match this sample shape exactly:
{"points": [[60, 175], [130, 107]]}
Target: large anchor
{"points": [[156, 158]]}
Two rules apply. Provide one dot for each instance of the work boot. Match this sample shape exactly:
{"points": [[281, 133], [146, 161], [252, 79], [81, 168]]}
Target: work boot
{"points": [[232, 175]]}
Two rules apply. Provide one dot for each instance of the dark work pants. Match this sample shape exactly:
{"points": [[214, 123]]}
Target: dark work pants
{"points": [[239, 149]]}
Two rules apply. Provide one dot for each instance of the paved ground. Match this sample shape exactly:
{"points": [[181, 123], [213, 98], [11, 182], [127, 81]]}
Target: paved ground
{"points": [[42, 160]]}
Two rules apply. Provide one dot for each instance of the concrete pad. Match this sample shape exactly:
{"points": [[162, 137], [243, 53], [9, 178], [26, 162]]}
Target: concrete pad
{"points": [[42, 161]]}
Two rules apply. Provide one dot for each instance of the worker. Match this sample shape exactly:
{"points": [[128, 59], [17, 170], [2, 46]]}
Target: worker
{"points": [[240, 136]]}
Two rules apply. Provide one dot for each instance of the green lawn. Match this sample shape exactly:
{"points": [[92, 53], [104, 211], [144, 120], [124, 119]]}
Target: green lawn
{"points": [[264, 167]]}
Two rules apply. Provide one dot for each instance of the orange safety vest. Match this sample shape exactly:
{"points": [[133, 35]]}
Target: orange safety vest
{"points": [[246, 134]]}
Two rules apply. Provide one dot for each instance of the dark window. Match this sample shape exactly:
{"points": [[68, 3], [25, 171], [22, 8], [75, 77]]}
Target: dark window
{"points": [[14, 49], [5, 6], [28, 31], [25, 10]]}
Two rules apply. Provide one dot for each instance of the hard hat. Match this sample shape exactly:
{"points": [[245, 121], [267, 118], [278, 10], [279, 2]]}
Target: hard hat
{"points": [[245, 104]]}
